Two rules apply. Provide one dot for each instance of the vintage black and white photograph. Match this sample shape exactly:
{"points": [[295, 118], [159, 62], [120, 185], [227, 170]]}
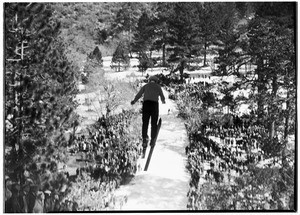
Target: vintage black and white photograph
{"points": [[155, 106]]}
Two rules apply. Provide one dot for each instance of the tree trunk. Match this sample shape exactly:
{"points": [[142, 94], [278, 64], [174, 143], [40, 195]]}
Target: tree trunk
{"points": [[260, 89], [205, 47], [273, 112], [20, 124], [20, 105], [272, 130], [181, 68], [286, 127], [285, 133], [15, 112], [164, 54], [130, 36]]}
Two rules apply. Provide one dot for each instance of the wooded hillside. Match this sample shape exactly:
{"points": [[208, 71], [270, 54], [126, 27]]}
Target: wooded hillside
{"points": [[51, 48]]}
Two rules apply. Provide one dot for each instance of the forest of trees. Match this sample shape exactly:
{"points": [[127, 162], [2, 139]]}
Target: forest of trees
{"points": [[46, 44]]}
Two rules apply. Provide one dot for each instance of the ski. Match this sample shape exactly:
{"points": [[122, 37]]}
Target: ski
{"points": [[152, 147]]}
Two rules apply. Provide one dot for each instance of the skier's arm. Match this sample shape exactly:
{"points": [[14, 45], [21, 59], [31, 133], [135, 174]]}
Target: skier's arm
{"points": [[138, 95]]}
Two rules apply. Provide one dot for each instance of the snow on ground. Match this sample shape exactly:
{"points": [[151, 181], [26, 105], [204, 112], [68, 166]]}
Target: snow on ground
{"points": [[106, 61], [132, 73], [91, 106], [166, 183]]}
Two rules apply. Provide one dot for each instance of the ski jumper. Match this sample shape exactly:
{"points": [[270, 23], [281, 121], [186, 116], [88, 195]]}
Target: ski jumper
{"points": [[150, 109]]}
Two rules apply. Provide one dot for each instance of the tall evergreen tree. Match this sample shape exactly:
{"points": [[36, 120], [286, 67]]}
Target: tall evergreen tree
{"points": [[127, 18], [121, 57], [39, 85], [208, 22], [163, 11], [142, 38], [181, 34], [96, 56]]}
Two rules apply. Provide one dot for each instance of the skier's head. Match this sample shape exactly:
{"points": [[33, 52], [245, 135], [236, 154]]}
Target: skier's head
{"points": [[153, 79]]}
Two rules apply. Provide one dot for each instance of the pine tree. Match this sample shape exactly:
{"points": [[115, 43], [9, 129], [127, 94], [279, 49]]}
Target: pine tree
{"points": [[96, 56], [40, 86], [120, 57], [144, 62], [142, 42], [142, 38], [181, 34], [161, 29], [208, 23], [126, 20]]}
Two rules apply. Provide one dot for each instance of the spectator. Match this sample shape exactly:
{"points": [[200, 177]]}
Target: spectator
{"points": [[8, 195], [25, 196], [32, 197], [39, 203], [47, 201], [75, 206], [15, 205]]}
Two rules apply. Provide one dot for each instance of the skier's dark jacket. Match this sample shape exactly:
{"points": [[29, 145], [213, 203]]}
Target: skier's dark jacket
{"points": [[151, 92]]}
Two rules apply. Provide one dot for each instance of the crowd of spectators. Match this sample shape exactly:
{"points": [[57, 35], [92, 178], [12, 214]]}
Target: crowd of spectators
{"points": [[41, 189]]}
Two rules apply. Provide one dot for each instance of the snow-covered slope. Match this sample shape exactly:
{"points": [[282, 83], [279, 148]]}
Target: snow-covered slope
{"points": [[166, 183]]}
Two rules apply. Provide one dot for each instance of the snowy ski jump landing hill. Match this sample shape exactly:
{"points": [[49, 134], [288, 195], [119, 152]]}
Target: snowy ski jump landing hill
{"points": [[165, 185]]}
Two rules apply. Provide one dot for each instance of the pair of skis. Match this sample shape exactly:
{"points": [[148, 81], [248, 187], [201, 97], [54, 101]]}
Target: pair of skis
{"points": [[152, 147]]}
